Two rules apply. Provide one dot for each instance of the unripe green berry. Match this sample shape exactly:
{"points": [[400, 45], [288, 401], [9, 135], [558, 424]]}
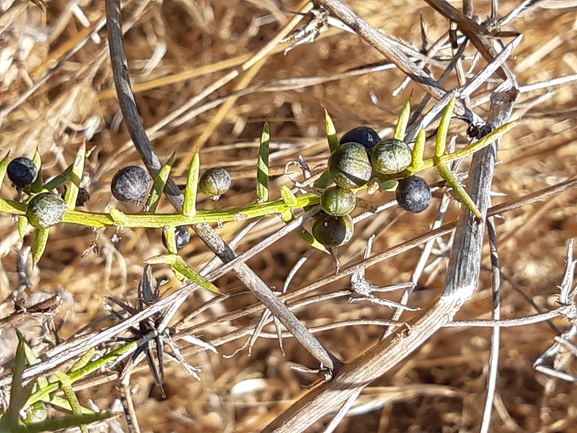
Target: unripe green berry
{"points": [[349, 166], [333, 231], [45, 210], [391, 156], [215, 182], [338, 201]]}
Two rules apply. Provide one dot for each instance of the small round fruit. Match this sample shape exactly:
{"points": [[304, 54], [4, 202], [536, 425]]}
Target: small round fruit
{"points": [[130, 184], [215, 182], [349, 166], [82, 197], [181, 236], [364, 135], [413, 194], [391, 156], [333, 231], [338, 201], [45, 210], [22, 171]]}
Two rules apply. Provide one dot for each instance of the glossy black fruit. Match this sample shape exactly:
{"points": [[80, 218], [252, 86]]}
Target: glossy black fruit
{"points": [[22, 171], [391, 156], [338, 201], [181, 235], [215, 182], [349, 166], [413, 194], [333, 231], [130, 184], [45, 210], [364, 135]]}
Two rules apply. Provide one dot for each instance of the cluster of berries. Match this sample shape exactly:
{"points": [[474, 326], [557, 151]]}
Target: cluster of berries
{"points": [[362, 153], [130, 185], [361, 156]]}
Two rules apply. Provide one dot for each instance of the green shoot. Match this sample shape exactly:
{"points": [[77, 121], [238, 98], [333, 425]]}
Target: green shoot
{"points": [[40, 241], [189, 207], [262, 172], [331, 133], [158, 185], [403, 122], [75, 178], [178, 264]]}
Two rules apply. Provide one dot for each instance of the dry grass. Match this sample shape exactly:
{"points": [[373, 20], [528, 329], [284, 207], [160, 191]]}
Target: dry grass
{"points": [[176, 50]]}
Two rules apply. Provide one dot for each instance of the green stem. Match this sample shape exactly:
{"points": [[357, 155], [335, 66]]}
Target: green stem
{"points": [[97, 220]]}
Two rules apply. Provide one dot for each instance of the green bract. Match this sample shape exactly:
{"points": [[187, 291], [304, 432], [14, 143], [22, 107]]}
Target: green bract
{"points": [[349, 166], [333, 231], [45, 210], [338, 201], [214, 182], [391, 156]]}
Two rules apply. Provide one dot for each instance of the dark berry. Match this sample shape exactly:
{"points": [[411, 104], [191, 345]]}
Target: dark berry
{"points": [[364, 135], [82, 197], [181, 235], [45, 210], [338, 201], [215, 182], [333, 231], [22, 171], [349, 166], [391, 156], [413, 194], [130, 184]]}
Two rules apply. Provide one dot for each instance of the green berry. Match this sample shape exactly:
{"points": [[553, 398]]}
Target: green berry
{"points": [[215, 182], [45, 210], [349, 166], [333, 231], [413, 194], [391, 156], [338, 201]]}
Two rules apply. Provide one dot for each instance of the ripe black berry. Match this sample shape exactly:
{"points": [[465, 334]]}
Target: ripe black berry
{"points": [[181, 235], [349, 166], [333, 231], [130, 184], [22, 171], [215, 182], [364, 135], [45, 210], [413, 194]]}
